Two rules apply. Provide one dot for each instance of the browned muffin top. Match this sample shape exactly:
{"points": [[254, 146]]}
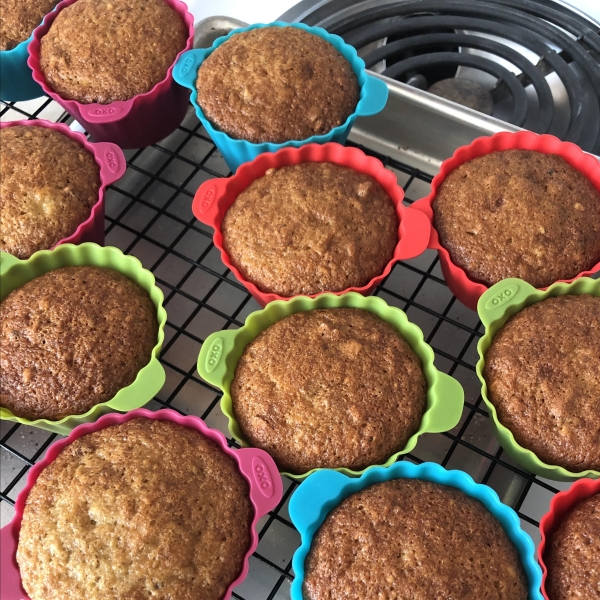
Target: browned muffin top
{"points": [[311, 228], [412, 539], [107, 50], [276, 84], [519, 213], [336, 387], [19, 18], [72, 338], [145, 509], [48, 186], [543, 376], [572, 556]]}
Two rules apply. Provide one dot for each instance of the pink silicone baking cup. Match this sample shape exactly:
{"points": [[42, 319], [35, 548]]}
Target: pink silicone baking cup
{"points": [[256, 466], [560, 505], [215, 196], [111, 161], [135, 123], [462, 286]]}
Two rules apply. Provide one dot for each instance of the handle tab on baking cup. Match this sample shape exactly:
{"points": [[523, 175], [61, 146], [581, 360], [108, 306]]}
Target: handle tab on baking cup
{"points": [[7, 261], [10, 582], [112, 160], [187, 65], [212, 361], [266, 487], [312, 495], [106, 113], [417, 231], [375, 98], [493, 302], [449, 399], [206, 200]]}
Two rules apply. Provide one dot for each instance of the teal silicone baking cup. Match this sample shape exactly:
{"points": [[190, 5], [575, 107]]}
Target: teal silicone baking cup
{"points": [[318, 495], [14, 273], [372, 98], [222, 350], [495, 307]]}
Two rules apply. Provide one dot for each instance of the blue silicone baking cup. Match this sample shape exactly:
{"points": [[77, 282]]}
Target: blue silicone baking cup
{"points": [[322, 491], [16, 81], [372, 98]]}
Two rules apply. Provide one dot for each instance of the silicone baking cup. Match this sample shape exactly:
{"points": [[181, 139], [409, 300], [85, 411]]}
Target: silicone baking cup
{"points": [[15, 273], [316, 497], [462, 286], [215, 196], [255, 465], [135, 123], [560, 506], [495, 307], [222, 350], [372, 99], [111, 161]]}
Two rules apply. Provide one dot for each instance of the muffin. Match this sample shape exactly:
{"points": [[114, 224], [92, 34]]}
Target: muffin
{"points": [[276, 84], [311, 228], [20, 18], [408, 538], [98, 51], [336, 387], [144, 509], [71, 339], [572, 555], [542, 372], [48, 186], [519, 213]]}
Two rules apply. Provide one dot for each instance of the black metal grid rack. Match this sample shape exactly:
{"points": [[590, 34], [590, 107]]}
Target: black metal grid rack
{"points": [[148, 214]]}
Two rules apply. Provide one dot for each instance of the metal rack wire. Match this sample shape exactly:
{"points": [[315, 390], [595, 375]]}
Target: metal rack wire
{"points": [[148, 214]]}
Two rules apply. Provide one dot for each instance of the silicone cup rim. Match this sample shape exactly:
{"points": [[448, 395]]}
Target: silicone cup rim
{"points": [[227, 189], [524, 295], [67, 254], [98, 150], [367, 104], [445, 395], [560, 505], [33, 62], [328, 488], [260, 507], [468, 290]]}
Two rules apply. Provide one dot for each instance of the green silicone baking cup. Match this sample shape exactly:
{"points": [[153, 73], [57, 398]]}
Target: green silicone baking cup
{"points": [[495, 307], [14, 273], [222, 350]]}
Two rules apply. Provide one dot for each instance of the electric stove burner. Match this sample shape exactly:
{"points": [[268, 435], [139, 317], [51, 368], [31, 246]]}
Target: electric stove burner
{"points": [[466, 92], [537, 60]]}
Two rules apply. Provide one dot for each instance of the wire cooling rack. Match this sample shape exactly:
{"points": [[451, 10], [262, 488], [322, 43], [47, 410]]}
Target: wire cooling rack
{"points": [[148, 214]]}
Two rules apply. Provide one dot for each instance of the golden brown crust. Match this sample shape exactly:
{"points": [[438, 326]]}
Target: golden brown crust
{"points": [[519, 213], [412, 540], [107, 50], [311, 228], [276, 84], [48, 186], [142, 510], [573, 552], [18, 19], [71, 339], [334, 387], [543, 376]]}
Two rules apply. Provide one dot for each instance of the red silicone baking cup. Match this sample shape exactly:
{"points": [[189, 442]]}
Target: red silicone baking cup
{"points": [[560, 505], [135, 123], [462, 286], [256, 466], [111, 161], [215, 196]]}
